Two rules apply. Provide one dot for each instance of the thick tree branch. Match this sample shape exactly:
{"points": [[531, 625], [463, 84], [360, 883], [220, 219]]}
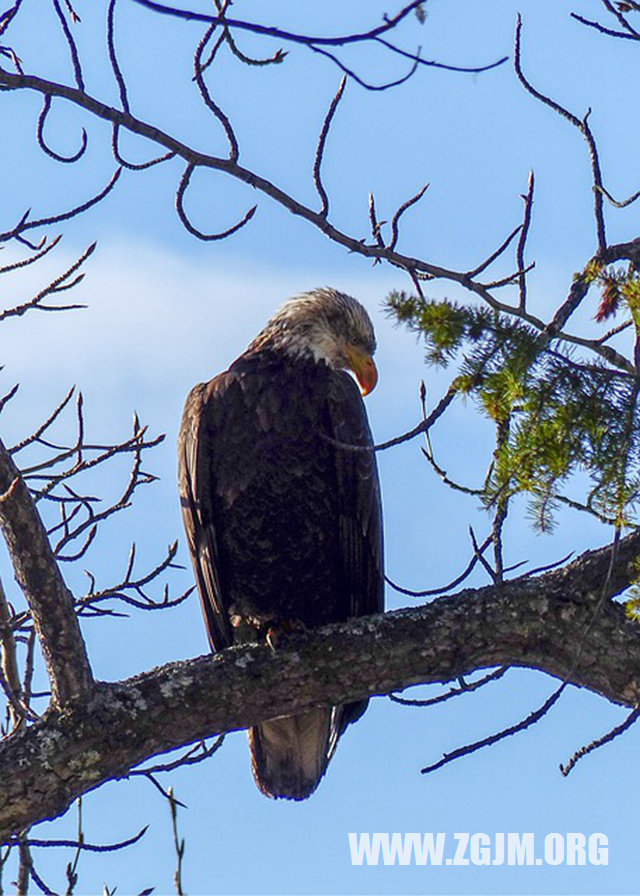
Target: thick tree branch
{"points": [[39, 577], [542, 623]]}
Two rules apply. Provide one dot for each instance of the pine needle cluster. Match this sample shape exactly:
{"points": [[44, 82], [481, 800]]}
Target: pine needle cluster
{"points": [[556, 414]]}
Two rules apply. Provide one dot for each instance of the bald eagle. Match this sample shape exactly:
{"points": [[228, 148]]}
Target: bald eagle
{"points": [[283, 524]]}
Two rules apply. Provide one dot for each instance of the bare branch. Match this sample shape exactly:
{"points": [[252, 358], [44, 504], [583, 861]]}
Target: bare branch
{"points": [[446, 479], [390, 22], [61, 283], [178, 842], [25, 867], [31, 259], [386, 85], [602, 28], [48, 597], [422, 427], [375, 224], [124, 99], [7, 398], [132, 590], [25, 224], [227, 37], [53, 416], [600, 741], [614, 331], [624, 203], [47, 149], [400, 212], [431, 63], [583, 126], [510, 278], [193, 756], [617, 13], [432, 592], [73, 50], [522, 241], [83, 845], [501, 248], [208, 99], [221, 235], [531, 719], [464, 688], [317, 179], [18, 704], [547, 566]]}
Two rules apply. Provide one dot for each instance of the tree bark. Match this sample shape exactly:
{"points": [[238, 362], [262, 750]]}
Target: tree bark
{"points": [[559, 623]]}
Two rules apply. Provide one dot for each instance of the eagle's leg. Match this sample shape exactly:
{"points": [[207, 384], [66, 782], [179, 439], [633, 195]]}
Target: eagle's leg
{"points": [[277, 634], [249, 629]]}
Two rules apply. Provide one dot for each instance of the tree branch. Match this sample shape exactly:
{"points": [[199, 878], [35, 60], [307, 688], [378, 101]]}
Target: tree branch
{"points": [[536, 623], [39, 577]]}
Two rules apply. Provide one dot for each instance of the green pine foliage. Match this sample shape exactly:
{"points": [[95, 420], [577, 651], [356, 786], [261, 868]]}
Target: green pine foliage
{"points": [[557, 414]]}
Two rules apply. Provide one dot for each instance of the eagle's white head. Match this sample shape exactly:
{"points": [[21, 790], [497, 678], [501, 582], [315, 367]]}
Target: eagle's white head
{"points": [[325, 325]]}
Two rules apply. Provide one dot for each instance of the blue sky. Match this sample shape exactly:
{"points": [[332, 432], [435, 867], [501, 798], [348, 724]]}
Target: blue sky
{"points": [[166, 311]]}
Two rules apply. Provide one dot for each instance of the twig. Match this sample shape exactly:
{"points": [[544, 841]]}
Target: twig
{"points": [[582, 125], [431, 63], [367, 85], [61, 283], [87, 847], [179, 844], [227, 37], [453, 692], [124, 99], [522, 241], [25, 224], [208, 99], [600, 741], [422, 427], [221, 235], [547, 566], [432, 592], [72, 867], [317, 179], [455, 486], [601, 28], [73, 50], [395, 221], [31, 259], [501, 248], [390, 22], [624, 203], [47, 149], [531, 719], [193, 756], [375, 224], [25, 867]]}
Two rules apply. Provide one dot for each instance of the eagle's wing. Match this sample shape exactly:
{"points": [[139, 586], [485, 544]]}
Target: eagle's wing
{"points": [[360, 521], [360, 507], [196, 490]]}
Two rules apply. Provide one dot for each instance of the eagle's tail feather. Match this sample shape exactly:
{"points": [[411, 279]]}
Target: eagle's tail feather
{"points": [[290, 755]]}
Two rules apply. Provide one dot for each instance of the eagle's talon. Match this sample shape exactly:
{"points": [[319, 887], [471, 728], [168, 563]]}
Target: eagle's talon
{"points": [[278, 635], [271, 639]]}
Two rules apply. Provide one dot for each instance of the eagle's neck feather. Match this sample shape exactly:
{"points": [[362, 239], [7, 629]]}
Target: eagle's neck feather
{"points": [[310, 341]]}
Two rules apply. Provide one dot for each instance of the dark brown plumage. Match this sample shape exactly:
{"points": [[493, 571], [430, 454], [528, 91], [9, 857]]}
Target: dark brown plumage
{"points": [[283, 525]]}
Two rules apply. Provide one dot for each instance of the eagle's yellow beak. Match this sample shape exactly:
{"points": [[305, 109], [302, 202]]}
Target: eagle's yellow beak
{"points": [[362, 364]]}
